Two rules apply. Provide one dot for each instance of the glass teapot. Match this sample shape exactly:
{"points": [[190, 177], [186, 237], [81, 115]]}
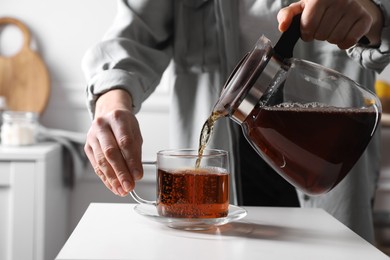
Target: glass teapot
{"points": [[310, 123]]}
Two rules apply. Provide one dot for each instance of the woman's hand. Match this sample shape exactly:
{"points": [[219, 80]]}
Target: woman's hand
{"points": [[114, 142], [341, 22]]}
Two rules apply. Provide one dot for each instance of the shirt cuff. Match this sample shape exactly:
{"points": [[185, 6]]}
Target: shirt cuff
{"points": [[114, 79], [384, 5]]}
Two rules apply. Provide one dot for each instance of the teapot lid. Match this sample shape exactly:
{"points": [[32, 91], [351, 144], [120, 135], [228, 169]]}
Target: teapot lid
{"points": [[255, 73], [248, 81]]}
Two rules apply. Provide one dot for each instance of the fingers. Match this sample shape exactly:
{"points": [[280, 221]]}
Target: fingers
{"points": [[314, 20], [341, 22], [129, 140], [349, 30], [91, 148], [114, 149]]}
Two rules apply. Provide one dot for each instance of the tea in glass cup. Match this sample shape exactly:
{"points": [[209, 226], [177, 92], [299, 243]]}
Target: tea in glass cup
{"points": [[191, 188]]}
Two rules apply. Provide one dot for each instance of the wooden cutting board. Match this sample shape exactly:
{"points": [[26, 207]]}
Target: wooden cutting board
{"points": [[24, 78]]}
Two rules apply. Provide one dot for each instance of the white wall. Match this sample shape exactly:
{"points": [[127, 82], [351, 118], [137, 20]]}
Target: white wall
{"points": [[62, 31]]}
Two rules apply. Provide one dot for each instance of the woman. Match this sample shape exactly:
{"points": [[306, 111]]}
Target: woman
{"points": [[205, 39]]}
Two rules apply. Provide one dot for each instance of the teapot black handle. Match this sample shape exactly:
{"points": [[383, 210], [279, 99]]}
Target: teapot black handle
{"points": [[285, 46], [364, 41]]}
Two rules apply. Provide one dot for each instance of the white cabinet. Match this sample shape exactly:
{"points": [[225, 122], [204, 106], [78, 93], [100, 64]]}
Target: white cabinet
{"points": [[33, 202]]}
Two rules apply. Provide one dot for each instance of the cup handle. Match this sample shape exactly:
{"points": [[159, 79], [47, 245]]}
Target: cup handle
{"points": [[135, 195]]}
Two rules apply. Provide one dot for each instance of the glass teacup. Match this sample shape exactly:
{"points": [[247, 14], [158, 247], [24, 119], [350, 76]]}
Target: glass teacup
{"points": [[185, 190]]}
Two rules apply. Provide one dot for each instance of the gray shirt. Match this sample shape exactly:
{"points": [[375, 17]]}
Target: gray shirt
{"points": [[202, 39]]}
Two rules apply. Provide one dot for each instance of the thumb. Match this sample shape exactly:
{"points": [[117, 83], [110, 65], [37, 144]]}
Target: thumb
{"points": [[286, 14]]}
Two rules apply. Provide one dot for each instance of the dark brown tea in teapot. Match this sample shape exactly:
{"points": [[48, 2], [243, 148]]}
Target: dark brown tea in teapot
{"points": [[312, 147]]}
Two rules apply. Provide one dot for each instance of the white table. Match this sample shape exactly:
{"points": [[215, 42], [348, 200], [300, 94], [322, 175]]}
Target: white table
{"points": [[116, 231]]}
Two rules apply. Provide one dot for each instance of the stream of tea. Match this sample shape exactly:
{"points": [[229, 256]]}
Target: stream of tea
{"points": [[205, 135]]}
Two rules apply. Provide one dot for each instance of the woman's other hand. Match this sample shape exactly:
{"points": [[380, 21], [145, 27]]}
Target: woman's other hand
{"points": [[114, 142]]}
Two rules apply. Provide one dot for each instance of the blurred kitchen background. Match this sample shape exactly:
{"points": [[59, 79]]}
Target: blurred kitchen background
{"points": [[61, 32]]}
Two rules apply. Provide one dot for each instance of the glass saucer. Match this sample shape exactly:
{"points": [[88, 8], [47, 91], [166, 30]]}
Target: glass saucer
{"points": [[150, 211]]}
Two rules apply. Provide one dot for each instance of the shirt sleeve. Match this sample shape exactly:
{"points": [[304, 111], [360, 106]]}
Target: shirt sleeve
{"points": [[375, 58], [133, 53]]}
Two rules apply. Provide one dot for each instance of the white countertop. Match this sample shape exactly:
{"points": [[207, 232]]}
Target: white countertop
{"points": [[116, 231], [28, 152]]}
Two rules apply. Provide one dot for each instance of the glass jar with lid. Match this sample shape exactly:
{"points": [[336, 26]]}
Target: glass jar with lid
{"points": [[19, 128]]}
